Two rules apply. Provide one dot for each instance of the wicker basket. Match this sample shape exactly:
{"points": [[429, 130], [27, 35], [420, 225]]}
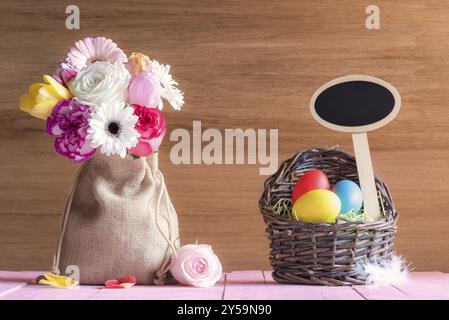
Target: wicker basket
{"points": [[323, 253]]}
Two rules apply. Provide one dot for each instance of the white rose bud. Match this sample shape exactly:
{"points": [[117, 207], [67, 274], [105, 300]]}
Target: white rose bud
{"points": [[100, 82]]}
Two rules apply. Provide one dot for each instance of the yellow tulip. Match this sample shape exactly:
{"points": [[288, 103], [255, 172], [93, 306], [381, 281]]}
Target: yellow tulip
{"points": [[43, 97]]}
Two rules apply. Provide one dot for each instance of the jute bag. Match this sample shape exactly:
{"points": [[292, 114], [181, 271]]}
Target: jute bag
{"points": [[118, 221]]}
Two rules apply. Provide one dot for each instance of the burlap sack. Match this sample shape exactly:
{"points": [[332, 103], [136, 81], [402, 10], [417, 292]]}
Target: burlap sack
{"points": [[118, 221]]}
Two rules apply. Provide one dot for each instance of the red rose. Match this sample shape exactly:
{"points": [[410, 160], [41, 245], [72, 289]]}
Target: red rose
{"points": [[152, 127]]}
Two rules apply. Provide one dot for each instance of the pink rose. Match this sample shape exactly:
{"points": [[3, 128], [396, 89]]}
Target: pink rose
{"points": [[152, 127], [145, 90], [196, 265]]}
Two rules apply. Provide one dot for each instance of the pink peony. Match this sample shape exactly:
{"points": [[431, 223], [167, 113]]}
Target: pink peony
{"points": [[90, 50], [152, 127], [69, 122], [196, 265], [65, 73], [145, 90]]}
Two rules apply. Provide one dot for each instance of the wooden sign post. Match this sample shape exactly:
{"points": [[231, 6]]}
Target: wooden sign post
{"points": [[357, 104]]}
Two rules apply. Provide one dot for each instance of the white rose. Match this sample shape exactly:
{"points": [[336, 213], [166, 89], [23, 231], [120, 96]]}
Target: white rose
{"points": [[196, 265], [101, 81]]}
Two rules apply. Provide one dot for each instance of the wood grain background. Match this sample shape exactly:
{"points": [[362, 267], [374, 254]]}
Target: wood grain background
{"points": [[241, 64]]}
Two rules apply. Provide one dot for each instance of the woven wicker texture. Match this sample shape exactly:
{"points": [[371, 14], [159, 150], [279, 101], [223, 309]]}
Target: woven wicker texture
{"points": [[322, 253]]}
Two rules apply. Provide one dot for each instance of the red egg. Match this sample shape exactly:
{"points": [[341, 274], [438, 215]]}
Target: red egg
{"points": [[311, 180]]}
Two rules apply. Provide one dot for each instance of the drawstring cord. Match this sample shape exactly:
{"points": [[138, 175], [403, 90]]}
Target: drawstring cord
{"points": [[65, 218], [164, 192], [161, 273]]}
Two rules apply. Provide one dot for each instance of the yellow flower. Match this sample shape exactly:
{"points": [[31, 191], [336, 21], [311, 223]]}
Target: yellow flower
{"points": [[138, 62], [43, 97], [56, 281]]}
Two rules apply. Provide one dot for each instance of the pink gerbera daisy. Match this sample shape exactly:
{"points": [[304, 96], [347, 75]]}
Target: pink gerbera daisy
{"points": [[89, 50]]}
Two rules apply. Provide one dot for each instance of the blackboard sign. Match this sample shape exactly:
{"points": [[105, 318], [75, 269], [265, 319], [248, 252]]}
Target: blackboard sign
{"points": [[355, 103], [358, 104]]}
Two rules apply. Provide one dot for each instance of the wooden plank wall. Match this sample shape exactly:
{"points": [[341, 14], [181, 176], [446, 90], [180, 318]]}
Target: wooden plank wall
{"points": [[242, 64]]}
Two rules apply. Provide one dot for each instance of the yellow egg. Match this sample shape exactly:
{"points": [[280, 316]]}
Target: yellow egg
{"points": [[319, 205]]}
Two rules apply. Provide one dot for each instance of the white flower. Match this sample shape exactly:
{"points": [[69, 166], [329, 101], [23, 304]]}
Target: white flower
{"points": [[111, 127], [100, 82], [169, 90]]}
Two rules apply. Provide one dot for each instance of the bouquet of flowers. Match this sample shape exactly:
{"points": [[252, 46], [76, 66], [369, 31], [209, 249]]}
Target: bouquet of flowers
{"points": [[100, 105], [100, 99], [119, 219]]}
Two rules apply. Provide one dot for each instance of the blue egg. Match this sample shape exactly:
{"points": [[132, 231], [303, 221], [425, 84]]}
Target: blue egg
{"points": [[350, 195]]}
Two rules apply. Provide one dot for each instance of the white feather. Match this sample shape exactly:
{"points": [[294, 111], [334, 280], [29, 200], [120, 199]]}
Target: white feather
{"points": [[383, 271]]}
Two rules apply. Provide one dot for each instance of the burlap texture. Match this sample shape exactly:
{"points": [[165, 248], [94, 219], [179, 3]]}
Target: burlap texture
{"points": [[110, 227]]}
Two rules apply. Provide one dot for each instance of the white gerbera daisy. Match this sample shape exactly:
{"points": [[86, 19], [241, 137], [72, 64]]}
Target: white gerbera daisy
{"points": [[111, 128], [169, 90]]}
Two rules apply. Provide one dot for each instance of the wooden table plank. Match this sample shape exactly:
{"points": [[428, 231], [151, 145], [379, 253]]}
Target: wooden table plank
{"points": [[161, 293], [426, 286], [7, 287], [39, 292], [245, 285], [20, 276], [434, 278], [11, 281], [167, 292], [239, 285], [380, 293], [277, 291]]}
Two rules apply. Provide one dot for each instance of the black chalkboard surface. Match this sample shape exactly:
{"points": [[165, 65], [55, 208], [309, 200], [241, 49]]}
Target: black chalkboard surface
{"points": [[355, 103]]}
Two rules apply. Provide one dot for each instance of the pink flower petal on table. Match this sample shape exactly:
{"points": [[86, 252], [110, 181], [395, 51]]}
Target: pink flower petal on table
{"points": [[122, 283]]}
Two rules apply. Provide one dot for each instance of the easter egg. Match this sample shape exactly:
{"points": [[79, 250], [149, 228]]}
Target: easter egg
{"points": [[319, 205], [350, 195], [311, 180]]}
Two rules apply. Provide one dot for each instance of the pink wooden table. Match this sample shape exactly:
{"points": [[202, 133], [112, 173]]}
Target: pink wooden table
{"points": [[239, 285]]}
